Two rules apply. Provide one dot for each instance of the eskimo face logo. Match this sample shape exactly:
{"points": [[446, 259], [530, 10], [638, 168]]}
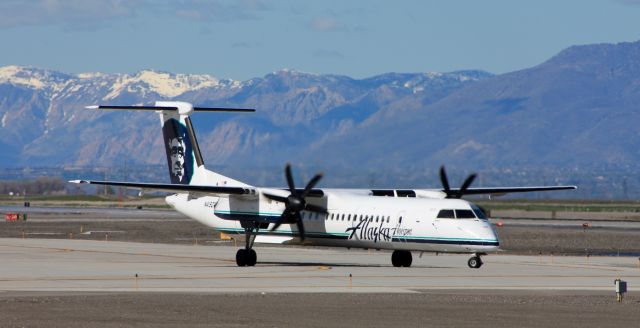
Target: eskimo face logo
{"points": [[177, 147], [179, 151]]}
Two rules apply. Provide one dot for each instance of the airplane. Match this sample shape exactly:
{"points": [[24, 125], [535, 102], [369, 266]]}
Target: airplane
{"points": [[401, 220]]}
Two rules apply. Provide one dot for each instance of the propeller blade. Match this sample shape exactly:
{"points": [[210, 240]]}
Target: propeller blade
{"points": [[466, 184], [444, 181], [315, 208], [276, 226], [295, 202], [287, 173], [281, 220], [300, 228], [276, 198], [311, 184]]}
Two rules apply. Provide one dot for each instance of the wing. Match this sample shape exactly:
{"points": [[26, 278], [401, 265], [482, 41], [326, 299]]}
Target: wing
{"points": [[508, 190], [218, 190], [168, 187]]}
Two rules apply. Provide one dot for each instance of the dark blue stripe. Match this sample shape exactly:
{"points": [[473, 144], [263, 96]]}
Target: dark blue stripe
{"points": [[447, 242], [250, 217], [290, 234]]}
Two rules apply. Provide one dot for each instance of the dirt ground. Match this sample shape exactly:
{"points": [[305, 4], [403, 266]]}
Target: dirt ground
{"points": [[569, 240]]}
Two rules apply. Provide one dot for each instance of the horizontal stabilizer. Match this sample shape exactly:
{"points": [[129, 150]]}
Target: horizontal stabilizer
{"points": [[197, 109], [167, 187]]}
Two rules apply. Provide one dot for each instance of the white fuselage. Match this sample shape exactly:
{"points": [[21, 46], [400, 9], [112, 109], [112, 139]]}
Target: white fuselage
{"points": [[353, 220]]}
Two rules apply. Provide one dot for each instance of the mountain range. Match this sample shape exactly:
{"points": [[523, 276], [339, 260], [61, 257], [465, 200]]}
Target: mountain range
{"points": [[577, 110]]}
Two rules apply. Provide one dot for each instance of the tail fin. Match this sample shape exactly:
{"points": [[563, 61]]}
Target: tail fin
{"points": [[184, 159], [183, 152]]}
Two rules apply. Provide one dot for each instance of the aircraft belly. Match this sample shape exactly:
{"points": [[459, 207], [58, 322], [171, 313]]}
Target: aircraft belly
{"points": [[350, 243]]}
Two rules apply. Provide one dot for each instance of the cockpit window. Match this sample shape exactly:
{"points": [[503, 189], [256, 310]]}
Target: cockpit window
{"points": [[479, 212], [465, 214], [446, 214]]}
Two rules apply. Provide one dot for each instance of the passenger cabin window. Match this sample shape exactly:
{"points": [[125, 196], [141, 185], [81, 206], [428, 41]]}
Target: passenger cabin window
{"points": [[446, 214], [465, 214]]}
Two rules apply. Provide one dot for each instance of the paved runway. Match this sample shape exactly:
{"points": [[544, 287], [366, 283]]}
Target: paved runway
{"points": [[81, 265]]}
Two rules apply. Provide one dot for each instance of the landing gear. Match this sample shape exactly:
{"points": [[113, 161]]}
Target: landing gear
{"points": [[247, 256], [401, 258], [475, 262]]}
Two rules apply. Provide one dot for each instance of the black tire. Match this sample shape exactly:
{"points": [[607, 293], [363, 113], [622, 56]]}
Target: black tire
{"points": [[241, 257], [396, 258], [252, 257], [474, 262], [407, 259]]}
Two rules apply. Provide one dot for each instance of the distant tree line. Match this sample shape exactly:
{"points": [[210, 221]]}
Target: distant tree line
{"points": [[37, 186]]}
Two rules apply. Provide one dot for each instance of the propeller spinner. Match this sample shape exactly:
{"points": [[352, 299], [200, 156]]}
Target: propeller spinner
{"points": [[296, 202]]}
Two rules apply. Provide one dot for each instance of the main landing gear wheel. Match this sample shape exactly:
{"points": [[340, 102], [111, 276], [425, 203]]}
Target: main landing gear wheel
{"points": [[246, 257], [401, 258], [474, 262]]}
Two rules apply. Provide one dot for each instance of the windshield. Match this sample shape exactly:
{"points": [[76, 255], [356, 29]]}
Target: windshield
{"points": [[446, 214], [456, 214], [465, 214], [479, 212]]}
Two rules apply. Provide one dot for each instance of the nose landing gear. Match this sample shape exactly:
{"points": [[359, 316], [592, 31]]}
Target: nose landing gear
{"points": [[475, 262]]}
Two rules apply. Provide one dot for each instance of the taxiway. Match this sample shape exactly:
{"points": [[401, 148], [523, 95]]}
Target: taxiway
{"points": [[108, 266]]}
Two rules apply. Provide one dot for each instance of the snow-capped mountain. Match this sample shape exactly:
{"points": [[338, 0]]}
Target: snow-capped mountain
{"points": [[578, 109], [44, 121]]}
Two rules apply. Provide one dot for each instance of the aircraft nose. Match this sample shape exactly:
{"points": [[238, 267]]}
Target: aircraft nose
{"points": [[482, 231]]}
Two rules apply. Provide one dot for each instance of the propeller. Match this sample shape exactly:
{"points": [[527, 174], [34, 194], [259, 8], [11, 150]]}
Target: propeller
{"points": [[296, 202], [455, 193]]}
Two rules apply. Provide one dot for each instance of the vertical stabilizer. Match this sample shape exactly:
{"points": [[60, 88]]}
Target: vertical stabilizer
{"points": [[179, 146], [184, 158]]}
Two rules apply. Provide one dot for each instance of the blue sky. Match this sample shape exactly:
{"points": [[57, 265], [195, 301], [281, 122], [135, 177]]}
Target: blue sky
{"points": [[250, 38]]}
